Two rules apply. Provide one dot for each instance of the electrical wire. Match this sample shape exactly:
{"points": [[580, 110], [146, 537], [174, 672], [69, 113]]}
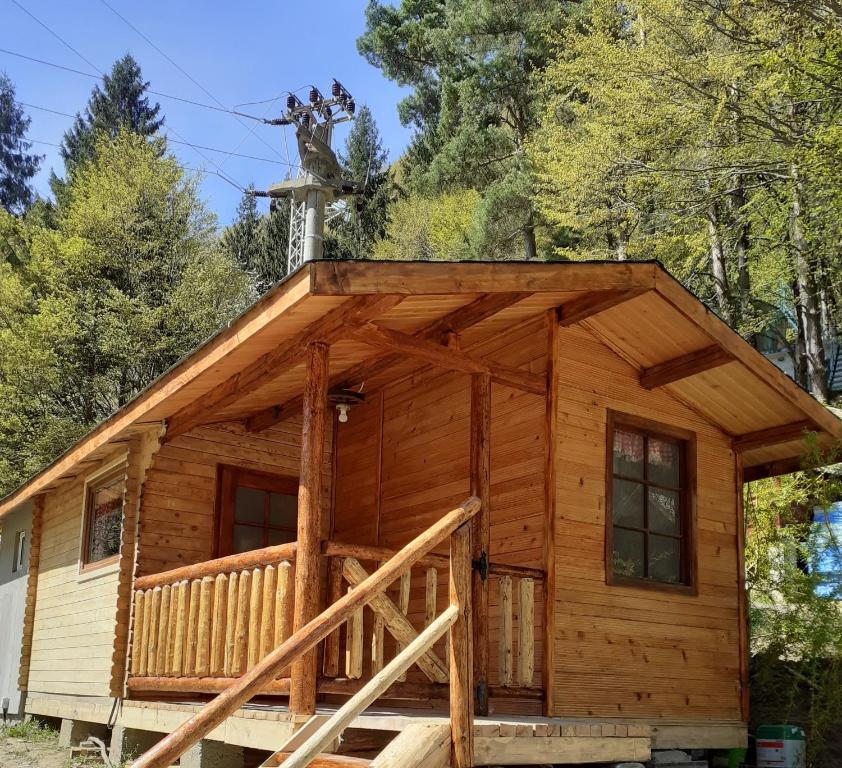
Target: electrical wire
{"points": [[55, 34], [171, 140], [250, 128]]}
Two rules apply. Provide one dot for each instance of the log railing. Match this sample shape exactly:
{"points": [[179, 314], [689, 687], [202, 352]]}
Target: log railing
{"points": [[211, 621], [241, 690], [518, 592]]}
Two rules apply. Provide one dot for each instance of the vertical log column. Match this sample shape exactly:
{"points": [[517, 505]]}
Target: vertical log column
{"points": [[461, 652], [31, 593], [481, 530], [302, 697]]}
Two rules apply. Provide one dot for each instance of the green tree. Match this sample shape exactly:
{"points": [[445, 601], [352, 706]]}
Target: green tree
{"points": [[17, 164], [364, 161], [129, 281], [474, 69], [120, 103]]}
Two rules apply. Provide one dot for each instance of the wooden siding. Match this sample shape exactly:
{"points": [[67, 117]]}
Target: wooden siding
{"points": [[73, 634], [422, 447], [178, 507], [625, 651]]}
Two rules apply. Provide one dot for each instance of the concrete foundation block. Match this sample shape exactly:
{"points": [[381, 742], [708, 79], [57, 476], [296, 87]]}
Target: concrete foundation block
{"points": [[129, 743], [213, 754], [74, 731]]}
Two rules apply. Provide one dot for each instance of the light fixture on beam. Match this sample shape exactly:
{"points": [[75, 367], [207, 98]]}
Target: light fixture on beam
{"points": [[343, 400]]}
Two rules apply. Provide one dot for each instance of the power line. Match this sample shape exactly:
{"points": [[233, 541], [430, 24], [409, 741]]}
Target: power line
{"points": [[171, 140], [250, 128], [59, 37], [149, 90]]}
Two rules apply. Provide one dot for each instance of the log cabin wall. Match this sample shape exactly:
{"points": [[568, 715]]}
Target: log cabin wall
{"points": [[625, 651], [74, 616], [402, 461], [179, 507]]}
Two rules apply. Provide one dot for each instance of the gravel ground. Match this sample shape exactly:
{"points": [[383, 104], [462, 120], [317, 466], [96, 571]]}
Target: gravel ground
{"points": [[42, 751]]}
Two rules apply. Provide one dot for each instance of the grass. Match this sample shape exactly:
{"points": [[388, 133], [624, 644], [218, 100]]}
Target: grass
{"points": [[29, 730]]}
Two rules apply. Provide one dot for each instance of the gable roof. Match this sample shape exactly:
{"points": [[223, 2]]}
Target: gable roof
{"points": [[637, 309]]}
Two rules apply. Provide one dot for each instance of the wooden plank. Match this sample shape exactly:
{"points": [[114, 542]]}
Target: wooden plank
{"points": [[191, 643], [773, 435], [431, 584], [378, 652], [404, 586], [583, 307], [532, 750], [354, 645], [203, 640], [372, 690], [310, 523], [461, 664], [417, 746], [327, 328], [446, 357], [163, 631], [231, 614], [551, 441], [283, 603], [241, 629], [480, 483], [526, 633], [330, 665], [137, 639], [374, 554], [458, 320], [394, 618], [742, 594], [506, 645], [245, 687], [171, 629], [181, 620], [31, 593], [154, 618], [685, 365], [267, 616]]}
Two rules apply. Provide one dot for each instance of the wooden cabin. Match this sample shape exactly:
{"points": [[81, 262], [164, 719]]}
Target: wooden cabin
{"points": [[495, 507]]}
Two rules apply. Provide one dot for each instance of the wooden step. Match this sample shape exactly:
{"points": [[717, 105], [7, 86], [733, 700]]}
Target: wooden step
{"points": [[322, 760]]}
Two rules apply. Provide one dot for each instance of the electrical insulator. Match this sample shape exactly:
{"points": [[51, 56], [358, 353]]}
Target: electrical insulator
{"points": [[315, 96], [350, 106], [336, 89], [291, 102]]}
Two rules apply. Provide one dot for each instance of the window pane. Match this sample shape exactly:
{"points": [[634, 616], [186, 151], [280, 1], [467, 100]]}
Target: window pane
{"points": [[627, 503], [628, 553], [106, 521], [664, 462], [664, 559], [283, 511], [664, 511], [628, 454], [248, 505], [247, 537], [280, 537]]}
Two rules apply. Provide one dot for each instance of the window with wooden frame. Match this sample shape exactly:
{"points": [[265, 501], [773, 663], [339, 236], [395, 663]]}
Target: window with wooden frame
{"points": [[103, 519], [256, 510], [650, 515]]}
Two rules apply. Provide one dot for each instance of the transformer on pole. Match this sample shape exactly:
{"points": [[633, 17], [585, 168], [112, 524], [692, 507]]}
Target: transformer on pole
{"points": [[320, 178]]}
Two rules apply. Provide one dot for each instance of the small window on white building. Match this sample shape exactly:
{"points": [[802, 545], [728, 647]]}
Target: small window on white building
{"points": [[20, 551]]}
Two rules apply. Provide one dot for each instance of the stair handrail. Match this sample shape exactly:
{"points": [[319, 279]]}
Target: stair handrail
{"points": [[189, 733]]}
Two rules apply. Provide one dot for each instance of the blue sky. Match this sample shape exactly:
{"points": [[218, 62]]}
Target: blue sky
{"points": [[239, 52]]}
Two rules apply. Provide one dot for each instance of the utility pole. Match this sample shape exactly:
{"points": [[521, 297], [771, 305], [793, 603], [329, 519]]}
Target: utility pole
{"points": [[320, 179]]}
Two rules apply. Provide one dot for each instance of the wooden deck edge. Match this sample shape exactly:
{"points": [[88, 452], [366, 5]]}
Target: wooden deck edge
{"points": [[532, 750]]}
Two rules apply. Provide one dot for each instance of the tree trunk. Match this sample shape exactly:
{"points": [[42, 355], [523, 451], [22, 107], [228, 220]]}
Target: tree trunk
{"points": [[737, 202], [530, 249], [717, 265], [808, 293], [799, 353]]}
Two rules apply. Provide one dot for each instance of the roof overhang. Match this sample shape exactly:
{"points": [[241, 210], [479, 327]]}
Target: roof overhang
{"points": [[636, 308]]}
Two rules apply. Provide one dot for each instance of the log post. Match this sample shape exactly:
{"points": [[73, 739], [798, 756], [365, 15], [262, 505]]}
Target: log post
{"points": [[461, 663], [481, 529], [302, 697]]}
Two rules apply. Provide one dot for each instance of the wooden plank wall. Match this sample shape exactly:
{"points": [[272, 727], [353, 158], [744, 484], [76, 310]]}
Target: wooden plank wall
{"points": [[73, 634], [178, 508], [423, 444], [623, 651]]}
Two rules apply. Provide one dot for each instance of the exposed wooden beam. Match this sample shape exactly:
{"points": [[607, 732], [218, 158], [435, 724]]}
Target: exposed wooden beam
{"points": [[783, 433], [593, 303], [456, 321], [684, 366], [447, 357], [772, 469], [358, 310]]}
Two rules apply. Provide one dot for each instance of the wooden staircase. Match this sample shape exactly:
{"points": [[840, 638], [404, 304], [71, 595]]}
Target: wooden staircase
{"points": [[438, 745]]}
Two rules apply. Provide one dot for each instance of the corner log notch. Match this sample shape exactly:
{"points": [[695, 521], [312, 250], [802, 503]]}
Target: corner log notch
{"points": [[684, 366], [356, 311], [458, 320], [447, 357]]}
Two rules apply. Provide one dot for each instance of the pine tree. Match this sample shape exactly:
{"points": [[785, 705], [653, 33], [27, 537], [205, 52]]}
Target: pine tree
{"points": [[118, 104], [17, 165], [364, 161]]}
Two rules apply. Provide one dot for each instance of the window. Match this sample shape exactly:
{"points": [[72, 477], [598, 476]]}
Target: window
{"points": [[20, 551], [649, 516], [103, 520], [256, 510]]}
